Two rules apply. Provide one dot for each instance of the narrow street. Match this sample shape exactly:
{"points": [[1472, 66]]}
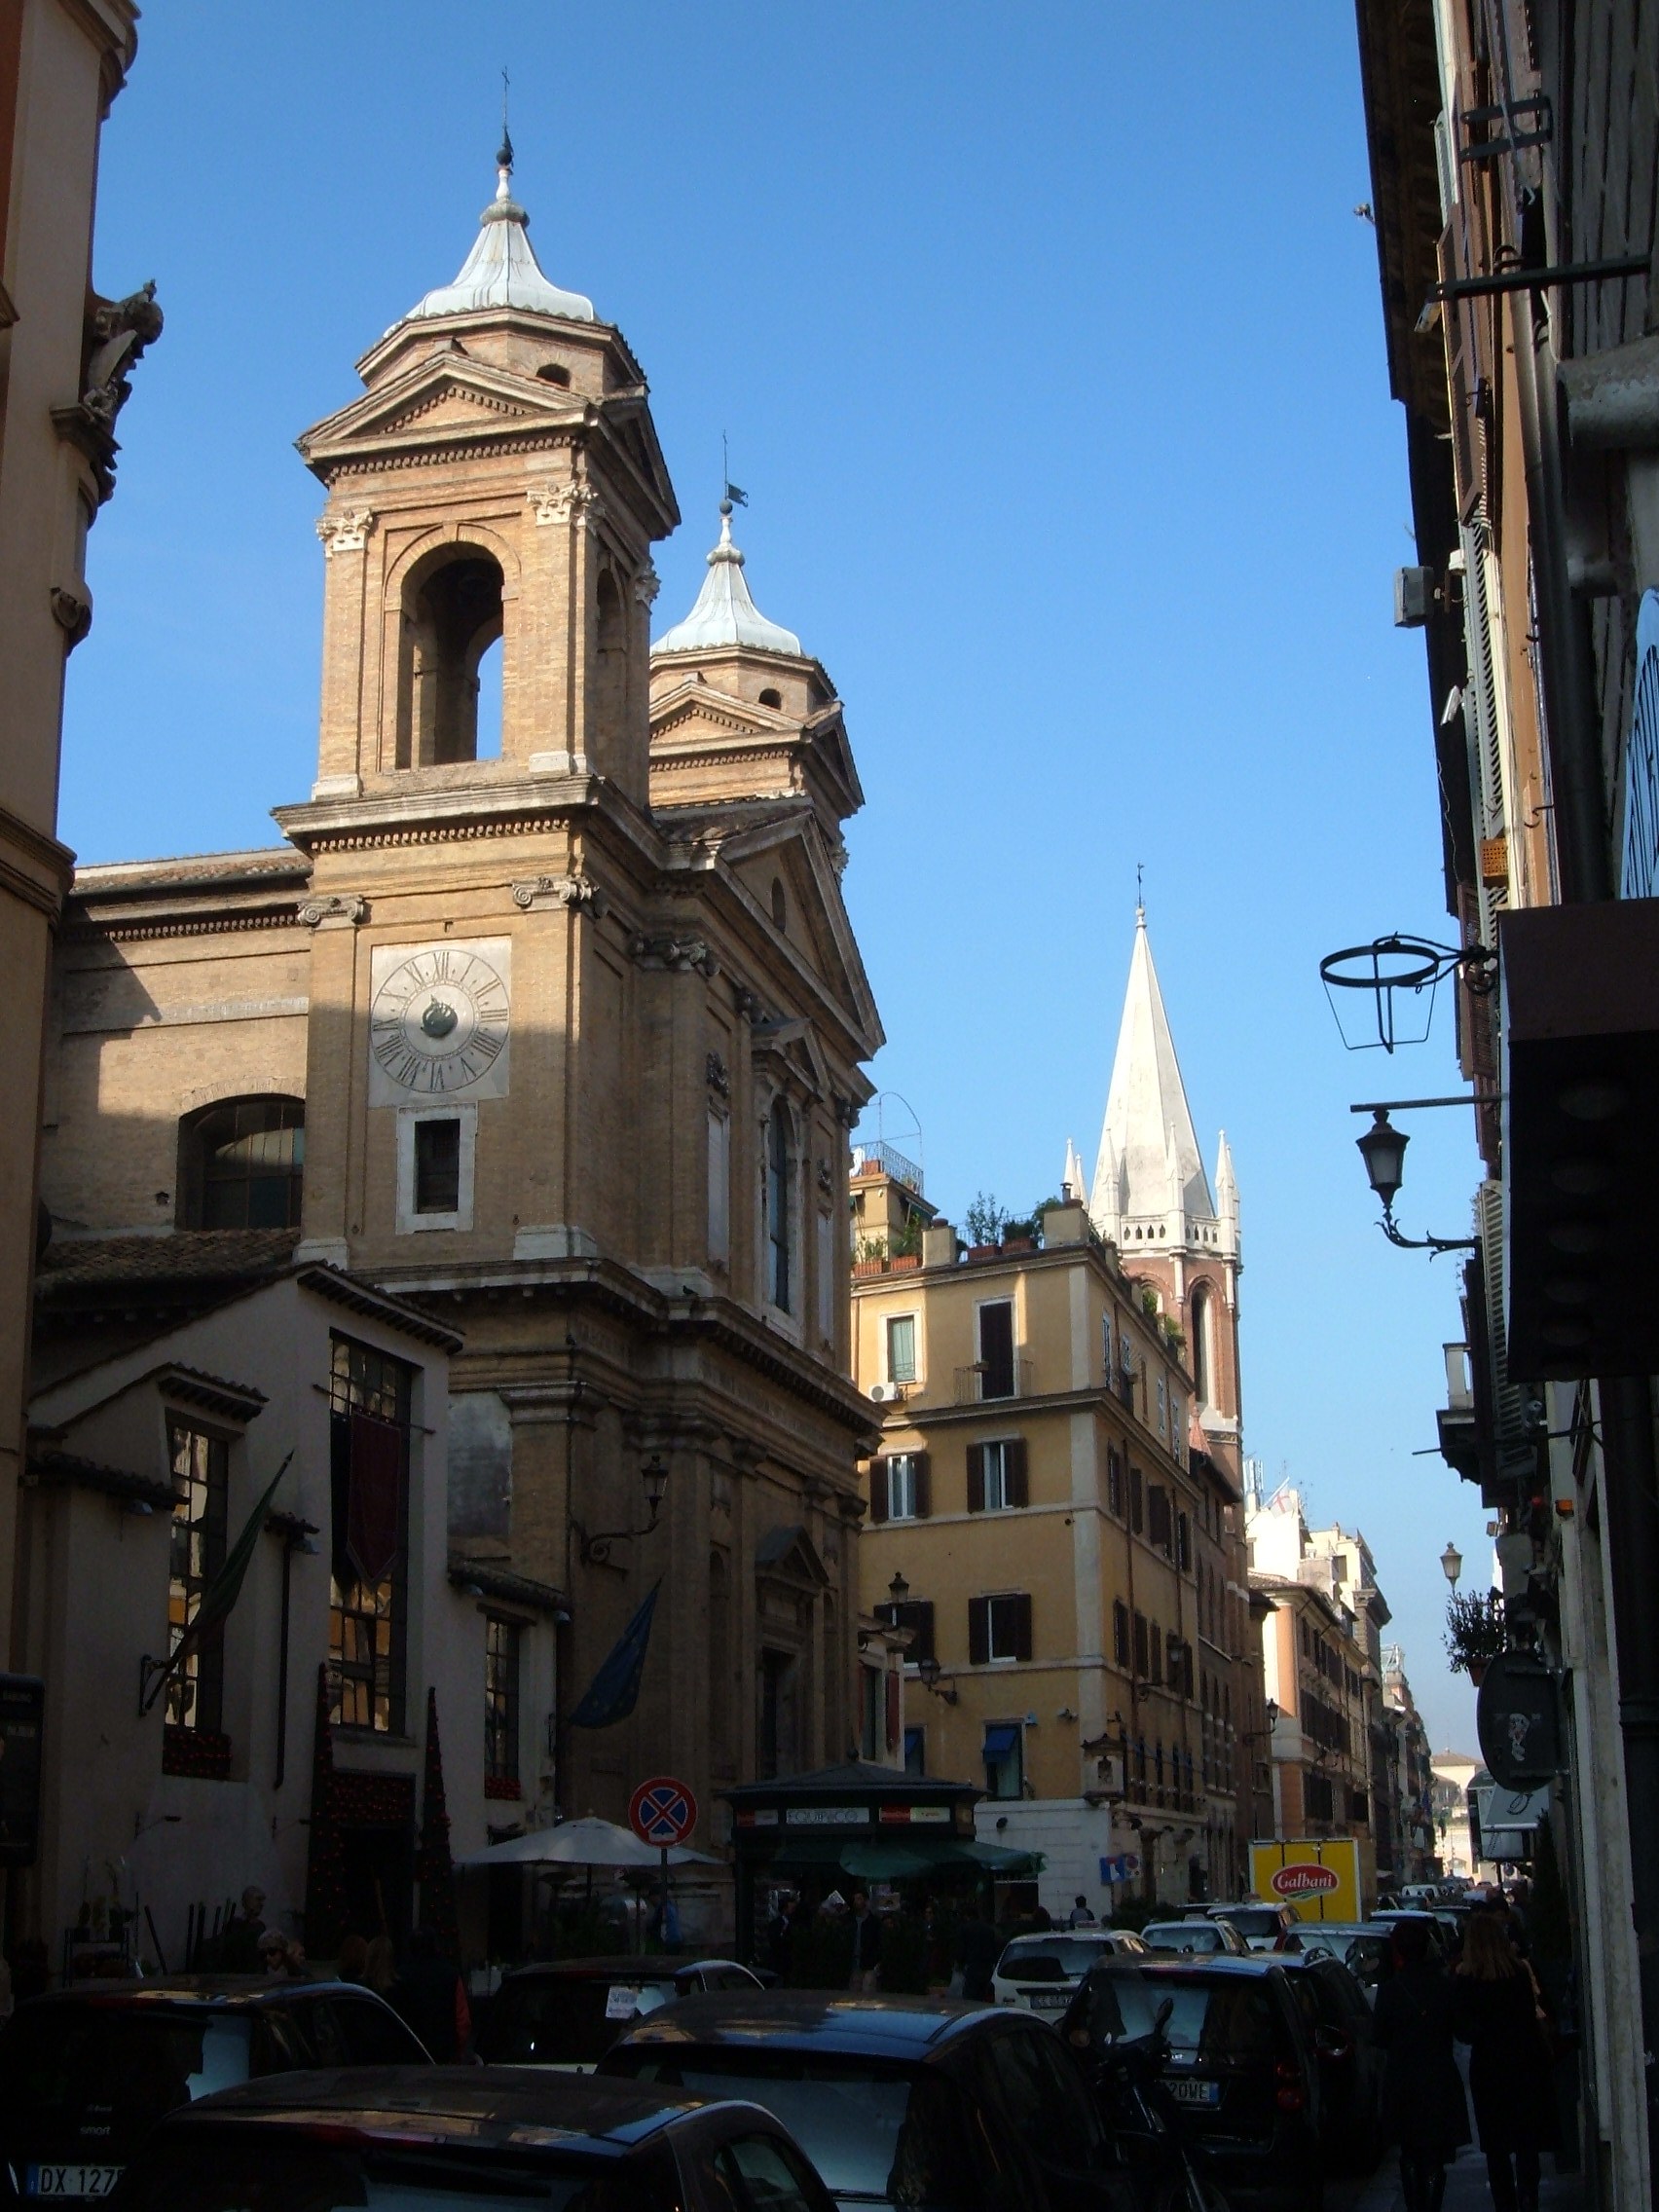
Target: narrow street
{"points": [[1466, 2189]]}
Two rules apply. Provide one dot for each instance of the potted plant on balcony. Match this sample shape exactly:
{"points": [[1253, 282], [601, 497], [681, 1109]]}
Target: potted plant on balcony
{"points": [[904, 1251], [1475, 1633], [985, 1220], [870, 1255]]}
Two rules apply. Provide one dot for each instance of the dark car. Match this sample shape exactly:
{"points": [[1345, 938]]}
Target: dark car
{"points": [[1240, 2063], [569, 2013], [898, 2100], [86, 2073], [1339, 2024], [450, 2137]]}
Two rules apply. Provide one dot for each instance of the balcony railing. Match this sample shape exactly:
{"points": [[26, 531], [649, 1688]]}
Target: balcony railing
{"points": [[881, 1159], [982, 1385]]}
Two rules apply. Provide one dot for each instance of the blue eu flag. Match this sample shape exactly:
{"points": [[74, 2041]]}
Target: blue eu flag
{"points": [[615, 1690]]}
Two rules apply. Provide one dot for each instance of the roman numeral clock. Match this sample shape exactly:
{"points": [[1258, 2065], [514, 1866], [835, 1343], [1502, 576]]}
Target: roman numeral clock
{"points": [[438, 1022]]}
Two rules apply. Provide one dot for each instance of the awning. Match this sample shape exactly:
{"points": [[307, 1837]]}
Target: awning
{"points": [[1002, 1739], [880, 1861]]}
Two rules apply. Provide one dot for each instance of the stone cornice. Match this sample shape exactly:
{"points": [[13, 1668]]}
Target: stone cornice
{"points": [[34, 866]]}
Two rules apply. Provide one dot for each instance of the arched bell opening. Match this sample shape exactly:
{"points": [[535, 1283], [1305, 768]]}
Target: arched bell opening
{"points": [[452, 616], [611, 685]]}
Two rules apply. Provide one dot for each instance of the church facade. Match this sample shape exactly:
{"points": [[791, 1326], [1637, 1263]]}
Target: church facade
{"points": [[556, 1046]]}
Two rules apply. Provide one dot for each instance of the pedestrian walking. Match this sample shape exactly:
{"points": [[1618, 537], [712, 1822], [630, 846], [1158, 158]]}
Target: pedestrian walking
{"points": [[1497, 2011], [239, 1939], [1424, 2106], [1081, 1914], [865, 1976], [433, 1998]]}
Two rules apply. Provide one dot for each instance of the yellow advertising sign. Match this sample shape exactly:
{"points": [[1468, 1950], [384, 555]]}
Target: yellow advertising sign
{"points": [[1318, 1878]]}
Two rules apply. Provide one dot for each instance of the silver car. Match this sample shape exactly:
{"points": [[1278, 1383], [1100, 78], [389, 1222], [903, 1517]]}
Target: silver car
{"points": [[1043, 1973], [1201, 1939]]}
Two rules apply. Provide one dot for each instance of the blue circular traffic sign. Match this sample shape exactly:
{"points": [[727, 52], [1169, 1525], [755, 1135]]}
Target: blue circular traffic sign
{"points": [[662, 1811]]}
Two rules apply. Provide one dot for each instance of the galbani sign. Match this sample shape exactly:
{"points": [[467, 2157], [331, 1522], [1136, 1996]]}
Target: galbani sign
{"points": [[1304, 1880]]}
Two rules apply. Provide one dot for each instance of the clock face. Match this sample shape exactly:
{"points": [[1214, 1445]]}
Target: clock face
{"points": [[438, 1021]]}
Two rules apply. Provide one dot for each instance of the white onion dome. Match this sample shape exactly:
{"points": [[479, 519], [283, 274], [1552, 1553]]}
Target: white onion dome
{"points": [[724, 614], [502, 271]]}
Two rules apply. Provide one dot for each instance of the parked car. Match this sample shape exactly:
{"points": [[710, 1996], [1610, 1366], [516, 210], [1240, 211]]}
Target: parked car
{"points": [[455, 2136], [1264, 1927], [1203, 1938], [1360, 1945], [1338, 2025], [1040, 1972], [569, 2012], [85, 2075], [898, 2100], [1240, 2060], [1446, 1934]]}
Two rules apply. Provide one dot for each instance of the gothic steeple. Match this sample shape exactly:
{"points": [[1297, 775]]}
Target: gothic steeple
{"points": [[1149, 1179]]}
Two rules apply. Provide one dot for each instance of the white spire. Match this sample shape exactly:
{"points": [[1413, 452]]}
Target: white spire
{"points": [[1227, 1199], [502, 271], [1149, 1175], [1073, 1185], [724, 614]]}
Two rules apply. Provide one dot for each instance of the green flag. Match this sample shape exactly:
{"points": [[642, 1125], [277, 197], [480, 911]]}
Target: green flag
{"points": [[220, 1595]]}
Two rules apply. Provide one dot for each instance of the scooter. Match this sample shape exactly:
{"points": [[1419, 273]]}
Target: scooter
{"points": [[1170, 2166]]}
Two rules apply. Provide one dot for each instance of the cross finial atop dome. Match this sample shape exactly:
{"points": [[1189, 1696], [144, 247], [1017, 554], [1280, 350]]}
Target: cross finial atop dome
{"points": [[724, 614], [502, 271]]}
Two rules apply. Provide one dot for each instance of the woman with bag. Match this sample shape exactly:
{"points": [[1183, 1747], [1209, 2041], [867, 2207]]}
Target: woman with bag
{"points": [[1424, 2106], [1498, 2014]]}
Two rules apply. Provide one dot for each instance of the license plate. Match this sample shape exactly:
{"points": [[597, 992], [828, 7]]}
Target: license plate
{"points": [[1048, 2000], [1196, 2092], [70, 2181]]}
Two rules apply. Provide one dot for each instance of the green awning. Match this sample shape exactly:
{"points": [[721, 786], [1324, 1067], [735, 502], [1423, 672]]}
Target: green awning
{"points": [[883, 1859]]}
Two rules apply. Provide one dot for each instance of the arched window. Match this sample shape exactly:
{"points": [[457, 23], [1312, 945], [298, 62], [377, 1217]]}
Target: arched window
{"points": [[612, 640], [780, 904], [451, 614], [1199, 1312], [771, 698], [242, 1165], [779, 1178], [489, 740]]}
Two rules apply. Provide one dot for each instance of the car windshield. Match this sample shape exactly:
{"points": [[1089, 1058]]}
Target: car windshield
{"points": [[289, 2174], [59, 2059], [1181, 1936], [876, 2131], [1253, 1921], [564, 2020], [1050, 1958], [1210, 2017]]}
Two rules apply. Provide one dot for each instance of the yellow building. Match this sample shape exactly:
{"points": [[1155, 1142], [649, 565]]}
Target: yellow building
{"points": [[1050, 1517]]}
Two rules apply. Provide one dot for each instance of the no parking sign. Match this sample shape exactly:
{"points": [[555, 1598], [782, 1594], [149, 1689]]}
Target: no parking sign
{"points": [[662, 1811]]}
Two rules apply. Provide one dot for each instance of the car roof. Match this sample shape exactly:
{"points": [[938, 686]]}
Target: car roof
{"points": [[221, 1991], [515, 2106], [1095, 1935], [1184, 1969], [612, 1968], [801, 2019]]}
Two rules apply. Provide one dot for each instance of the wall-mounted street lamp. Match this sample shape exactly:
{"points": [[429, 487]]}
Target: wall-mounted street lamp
{"points": [[928, 1669], [1382, 1148], [595, 1549]]}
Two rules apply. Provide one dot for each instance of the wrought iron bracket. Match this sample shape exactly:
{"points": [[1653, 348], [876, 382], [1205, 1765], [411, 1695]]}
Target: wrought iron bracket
{"points": [[1431, 1244], [148, 1687]]}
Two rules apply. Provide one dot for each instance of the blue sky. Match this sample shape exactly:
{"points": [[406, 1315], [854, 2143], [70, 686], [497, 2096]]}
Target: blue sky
{"points": [[1050, 354]]}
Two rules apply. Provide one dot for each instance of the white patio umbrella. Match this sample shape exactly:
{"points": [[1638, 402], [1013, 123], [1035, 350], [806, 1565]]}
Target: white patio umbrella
{"points": [[583, 1843]]}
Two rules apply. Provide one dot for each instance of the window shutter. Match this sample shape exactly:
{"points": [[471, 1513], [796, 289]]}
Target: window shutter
{"points": [[923, 1624], [1023, 1625], [978, 1631], [923, 1485], [878, 1490], [1013, 1459], [976, 1478]]}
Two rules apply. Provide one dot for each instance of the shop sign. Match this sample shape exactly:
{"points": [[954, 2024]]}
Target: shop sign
{"points": [[1124, 1867], [828, 1816], [915, 1816], [765, 1819], [1517, 1721]]}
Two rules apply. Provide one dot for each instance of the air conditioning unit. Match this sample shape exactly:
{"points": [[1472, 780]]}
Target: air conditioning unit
{"points": [[880, 1392]]}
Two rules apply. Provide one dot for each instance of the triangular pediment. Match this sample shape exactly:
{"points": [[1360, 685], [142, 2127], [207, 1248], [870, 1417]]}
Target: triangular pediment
{"points": [[791, 847], [788, 1555], [446, 390]]}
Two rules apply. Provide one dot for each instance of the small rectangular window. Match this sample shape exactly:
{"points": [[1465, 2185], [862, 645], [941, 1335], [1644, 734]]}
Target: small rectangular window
{"points": [[901, 1348], [200, 1468], [902, 1487], [1138, 1518], [501, 1702], [1120, 1633], [1163, 1406], [437, 1164], [917, 1615], [1106, 1345], [1115, 1481]]}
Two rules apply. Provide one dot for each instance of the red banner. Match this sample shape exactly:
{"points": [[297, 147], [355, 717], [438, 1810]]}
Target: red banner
{"points": [[371, 1508]]}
